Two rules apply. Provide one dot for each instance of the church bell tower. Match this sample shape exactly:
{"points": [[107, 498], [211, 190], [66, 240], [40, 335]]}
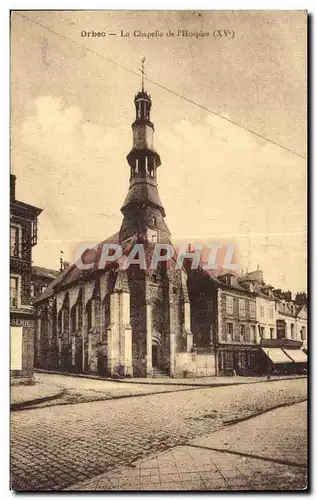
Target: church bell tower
{"points": [[142, 209]]}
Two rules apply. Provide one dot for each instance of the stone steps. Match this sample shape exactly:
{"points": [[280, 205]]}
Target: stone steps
{"points": [[157, 373]]}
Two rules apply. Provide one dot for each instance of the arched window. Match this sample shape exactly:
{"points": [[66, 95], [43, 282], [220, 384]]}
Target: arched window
{"points": [[91, 317], [73, 319], [64, 320], [79, 311]]}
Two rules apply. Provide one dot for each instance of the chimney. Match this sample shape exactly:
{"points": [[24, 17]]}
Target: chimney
{"points": [[12, 187]]}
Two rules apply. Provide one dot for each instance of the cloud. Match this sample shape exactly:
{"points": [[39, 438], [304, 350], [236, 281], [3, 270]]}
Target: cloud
{"points": [[77, 171], [218, 179]]}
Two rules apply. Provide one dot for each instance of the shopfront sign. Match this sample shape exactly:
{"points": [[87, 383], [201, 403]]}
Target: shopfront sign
{"points": [[20, 322], [280, 328]]}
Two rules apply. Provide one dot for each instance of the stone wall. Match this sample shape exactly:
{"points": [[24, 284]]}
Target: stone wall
{"points": [[193, 364]]}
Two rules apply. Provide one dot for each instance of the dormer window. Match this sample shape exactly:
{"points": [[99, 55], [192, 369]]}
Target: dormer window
{"points": [[229, 280], [154, 221]]}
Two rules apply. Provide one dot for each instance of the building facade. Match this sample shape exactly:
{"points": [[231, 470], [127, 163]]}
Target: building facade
{"points": [[23, 236], [224, 321], [265, 304], [291, 318], [41, 277], [169, 321], [133, 322]]}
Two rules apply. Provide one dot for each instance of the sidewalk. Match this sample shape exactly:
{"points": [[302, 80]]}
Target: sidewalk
{"points": [[250, 455], [197, 382], [53, 389], [25, 395]]}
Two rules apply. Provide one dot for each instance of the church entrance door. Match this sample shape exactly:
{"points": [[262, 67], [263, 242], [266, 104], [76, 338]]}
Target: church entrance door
{"points": [[154, 356]]}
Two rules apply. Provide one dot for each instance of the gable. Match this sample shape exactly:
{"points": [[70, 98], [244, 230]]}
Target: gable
{"points": [[302, 314]]}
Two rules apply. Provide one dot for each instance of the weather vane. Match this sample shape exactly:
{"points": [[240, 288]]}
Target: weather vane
{"points": [[142, 72], [61, 261]]}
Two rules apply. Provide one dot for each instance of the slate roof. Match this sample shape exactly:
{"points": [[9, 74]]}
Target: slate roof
{"points": [[49, 292], [143, 192], [73, 273], [43, 272]]}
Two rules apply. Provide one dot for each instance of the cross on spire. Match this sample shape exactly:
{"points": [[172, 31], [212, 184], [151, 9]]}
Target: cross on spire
{"points": [[142, 72]]}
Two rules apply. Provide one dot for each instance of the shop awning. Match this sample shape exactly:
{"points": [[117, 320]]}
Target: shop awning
{"points": [[297, 355], [276, 355]]}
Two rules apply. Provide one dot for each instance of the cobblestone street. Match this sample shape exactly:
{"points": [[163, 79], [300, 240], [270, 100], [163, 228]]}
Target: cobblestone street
{"points": [[249, 455], [56, 447]]}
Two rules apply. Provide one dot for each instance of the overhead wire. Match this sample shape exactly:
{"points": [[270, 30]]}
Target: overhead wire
{"points": [[167, 89]]}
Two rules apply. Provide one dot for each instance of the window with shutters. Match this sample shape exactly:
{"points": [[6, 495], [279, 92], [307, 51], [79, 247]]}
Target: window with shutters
{"points": [[253, 333], [229, 304], [229, 332], [292, 331], [247, 333], [252, 309], [242, 333], [242, 308]]}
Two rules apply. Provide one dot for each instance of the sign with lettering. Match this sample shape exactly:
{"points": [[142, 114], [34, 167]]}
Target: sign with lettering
{"points": [[16, 347], [280, 328], [20, 322]]}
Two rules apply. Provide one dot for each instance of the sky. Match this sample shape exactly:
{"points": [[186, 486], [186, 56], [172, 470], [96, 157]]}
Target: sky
{"points": [[71, 116]]}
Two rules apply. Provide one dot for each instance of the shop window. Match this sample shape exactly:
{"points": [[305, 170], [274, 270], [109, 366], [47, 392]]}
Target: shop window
{"points": [[228, 360]]}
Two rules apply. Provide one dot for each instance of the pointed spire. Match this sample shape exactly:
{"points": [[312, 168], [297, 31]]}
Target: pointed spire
{"points": [[121, 284], [61, 261], [142, 72]]}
